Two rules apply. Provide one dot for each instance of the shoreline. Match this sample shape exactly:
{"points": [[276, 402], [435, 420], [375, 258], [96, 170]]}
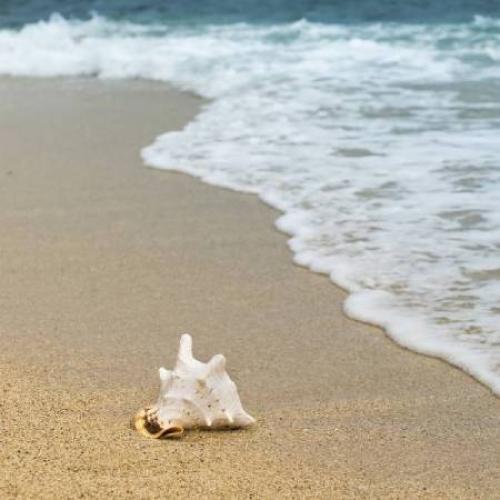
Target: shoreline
{"points": [[374, 307], [106, 263]]}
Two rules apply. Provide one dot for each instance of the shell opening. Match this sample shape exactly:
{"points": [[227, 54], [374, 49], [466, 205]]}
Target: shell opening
{"points": [[147, 424]]}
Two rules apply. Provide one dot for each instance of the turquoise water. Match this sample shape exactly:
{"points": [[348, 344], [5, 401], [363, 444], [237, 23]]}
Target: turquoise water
{"points": [[375, 131], [15, 14]]}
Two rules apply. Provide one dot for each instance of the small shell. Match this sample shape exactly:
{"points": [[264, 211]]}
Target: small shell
{"points": [[193, 395]]}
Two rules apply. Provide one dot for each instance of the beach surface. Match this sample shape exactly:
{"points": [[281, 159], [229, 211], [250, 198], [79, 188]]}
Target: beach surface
{"points": [[104, 263]]}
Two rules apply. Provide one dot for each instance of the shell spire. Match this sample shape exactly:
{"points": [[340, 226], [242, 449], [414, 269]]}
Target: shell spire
{"points": [[193, 395], [216, 365], [185, 349]]}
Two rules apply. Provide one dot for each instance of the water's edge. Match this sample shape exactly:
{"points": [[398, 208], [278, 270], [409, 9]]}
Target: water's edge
{"points": [[355, 305]]}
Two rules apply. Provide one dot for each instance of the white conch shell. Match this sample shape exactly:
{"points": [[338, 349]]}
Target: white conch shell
{"points": [[193, 395]]}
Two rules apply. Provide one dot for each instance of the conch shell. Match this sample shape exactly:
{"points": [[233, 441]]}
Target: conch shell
{"points": [[193, 395]]}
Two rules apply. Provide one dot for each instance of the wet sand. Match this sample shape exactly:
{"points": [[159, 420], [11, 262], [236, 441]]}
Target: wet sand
{"points": [[104, 263]]}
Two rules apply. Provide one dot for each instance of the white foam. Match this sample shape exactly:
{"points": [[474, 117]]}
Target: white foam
{"points": [[378, 142]]}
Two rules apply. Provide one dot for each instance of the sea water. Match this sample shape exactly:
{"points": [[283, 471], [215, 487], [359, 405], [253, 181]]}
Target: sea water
{"points": [[374, 127]]}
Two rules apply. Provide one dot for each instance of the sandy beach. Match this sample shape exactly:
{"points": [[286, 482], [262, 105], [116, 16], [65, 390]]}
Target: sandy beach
{"points": [[104, 263]]}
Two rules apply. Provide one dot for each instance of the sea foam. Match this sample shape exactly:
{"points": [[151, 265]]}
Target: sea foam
{"points": [[378, 142]]}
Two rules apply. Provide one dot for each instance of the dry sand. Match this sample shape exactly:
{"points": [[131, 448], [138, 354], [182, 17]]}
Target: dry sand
{"points": [[103, 264]]}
